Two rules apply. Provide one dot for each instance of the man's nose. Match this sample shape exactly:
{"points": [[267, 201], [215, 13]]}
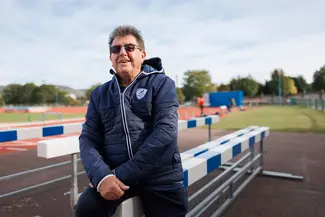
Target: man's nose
{"points": [[122, 51]]}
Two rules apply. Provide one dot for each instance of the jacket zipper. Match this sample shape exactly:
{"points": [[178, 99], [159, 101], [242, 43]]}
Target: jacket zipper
{"points": [[124, 120]]}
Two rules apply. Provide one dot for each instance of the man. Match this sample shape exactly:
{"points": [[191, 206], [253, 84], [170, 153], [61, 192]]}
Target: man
{"points": [[128, 145], [200, 102]]}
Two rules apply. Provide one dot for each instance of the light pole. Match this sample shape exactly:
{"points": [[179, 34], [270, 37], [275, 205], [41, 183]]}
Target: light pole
{"points": [[280, 89]]}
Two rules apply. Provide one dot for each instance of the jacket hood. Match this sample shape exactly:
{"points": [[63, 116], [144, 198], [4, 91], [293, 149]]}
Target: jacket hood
{"points": [[152, 65]]}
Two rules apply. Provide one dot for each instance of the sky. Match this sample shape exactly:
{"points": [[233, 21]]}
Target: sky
{"points": [[65, 42]]}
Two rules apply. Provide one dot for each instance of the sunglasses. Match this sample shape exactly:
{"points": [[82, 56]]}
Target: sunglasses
{"points": [[127, 47]]}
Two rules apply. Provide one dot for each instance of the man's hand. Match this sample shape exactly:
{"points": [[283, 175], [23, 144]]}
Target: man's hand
{"points": [[112, 188]]}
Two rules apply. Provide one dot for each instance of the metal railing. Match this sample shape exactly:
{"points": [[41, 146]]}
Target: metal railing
{"points": [[15, 175]]}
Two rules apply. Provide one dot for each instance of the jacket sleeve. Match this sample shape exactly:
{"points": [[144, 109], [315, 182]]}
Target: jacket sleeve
{"points": [[90, 143], [165, 131]]}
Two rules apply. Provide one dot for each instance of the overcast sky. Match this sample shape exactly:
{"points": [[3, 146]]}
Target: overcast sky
{"points": [[65, 42]]}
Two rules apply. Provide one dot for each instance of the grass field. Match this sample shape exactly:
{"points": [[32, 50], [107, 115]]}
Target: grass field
{"points": [[24, 117], [278, 118]]}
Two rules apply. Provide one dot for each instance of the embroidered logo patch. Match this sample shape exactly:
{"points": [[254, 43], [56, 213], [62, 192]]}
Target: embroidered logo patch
{"points": [[141, 92]]}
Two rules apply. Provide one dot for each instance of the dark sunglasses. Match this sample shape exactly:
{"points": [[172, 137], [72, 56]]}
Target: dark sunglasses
{"points": [[127, 47]]}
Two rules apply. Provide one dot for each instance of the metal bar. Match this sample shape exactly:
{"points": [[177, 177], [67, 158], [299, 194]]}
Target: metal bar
{"points": [[200, 208], [38, 185], [272, 174], [262, 154], [281, 175], [219, 177], [3, 178], [74, 181], [226, 204], [209, 131], [252, 150]]}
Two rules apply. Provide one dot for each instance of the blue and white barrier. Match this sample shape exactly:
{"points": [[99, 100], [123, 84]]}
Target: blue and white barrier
{"points": [[197, 162], [45, 131], [39, 132], [205, 160]]}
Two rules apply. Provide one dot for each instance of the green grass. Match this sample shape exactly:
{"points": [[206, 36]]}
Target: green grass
{"points": [[24, 117], [278, 118]]}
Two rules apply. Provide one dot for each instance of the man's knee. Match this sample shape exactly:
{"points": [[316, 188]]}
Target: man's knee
{"points": [[90, 203]]}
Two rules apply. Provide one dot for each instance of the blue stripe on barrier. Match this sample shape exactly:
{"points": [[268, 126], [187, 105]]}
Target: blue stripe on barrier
{"points": [[236, 149], [185, 172], [196, 151], [208, 120], [223, 142], [262, 135], [213, 160], [52, 131], [191, 123], [252, 141], [7, 136]]}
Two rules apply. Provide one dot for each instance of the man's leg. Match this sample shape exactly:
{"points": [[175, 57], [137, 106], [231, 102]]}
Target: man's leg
{"points": [[172, 203], [91, 203]]}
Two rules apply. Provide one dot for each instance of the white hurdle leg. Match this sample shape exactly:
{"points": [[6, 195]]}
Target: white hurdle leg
{"points": [[74, 182]]}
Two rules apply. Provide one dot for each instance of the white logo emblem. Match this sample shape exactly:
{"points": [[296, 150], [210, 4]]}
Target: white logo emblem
{"points": [[141, 92]]}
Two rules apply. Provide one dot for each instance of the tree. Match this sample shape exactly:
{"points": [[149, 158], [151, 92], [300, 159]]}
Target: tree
{"points": [[197, 82], [28, 90], [12, 94], [44, 94], [289, 87], [180, 95], [268, 88], [300, 83], [223, 87], [274, 82], [319, 81], [247, 84], [1, 101], [88, 91]]}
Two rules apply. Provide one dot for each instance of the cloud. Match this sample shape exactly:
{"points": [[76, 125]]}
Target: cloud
{"points": [[65, 42]]}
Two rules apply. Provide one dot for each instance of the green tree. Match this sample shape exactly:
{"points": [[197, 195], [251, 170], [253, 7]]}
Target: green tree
{"points": [[180, 95], [319, 81], [268, 88], [223, 87], [1, 101], [44, 94], [197, 82], [274, 82], [12, 94], [88, 91], [27, 94], [247, 84]]}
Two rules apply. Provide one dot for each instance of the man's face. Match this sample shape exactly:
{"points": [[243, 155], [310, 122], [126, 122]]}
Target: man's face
{"points": [[126, 62]]}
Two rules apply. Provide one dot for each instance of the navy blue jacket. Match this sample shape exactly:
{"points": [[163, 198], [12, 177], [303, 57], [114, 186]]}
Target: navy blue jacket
{"points": [[133, 133]]}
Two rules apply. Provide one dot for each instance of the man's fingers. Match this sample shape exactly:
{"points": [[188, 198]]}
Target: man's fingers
{"points": [[121, 185], [118, 191]]}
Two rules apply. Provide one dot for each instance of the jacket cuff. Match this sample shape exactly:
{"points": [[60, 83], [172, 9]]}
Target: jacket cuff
{"points": [[99, 174]]}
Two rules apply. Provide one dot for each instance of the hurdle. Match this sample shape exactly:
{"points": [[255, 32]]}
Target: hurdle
{"points": [[70, 128], [197, 162]]}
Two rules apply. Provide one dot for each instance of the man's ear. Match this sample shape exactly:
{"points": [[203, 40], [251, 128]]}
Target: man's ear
{"points": [[143, 55]]}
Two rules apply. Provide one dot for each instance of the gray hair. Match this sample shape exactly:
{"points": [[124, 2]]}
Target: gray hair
{"points": [[127, 30]]}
